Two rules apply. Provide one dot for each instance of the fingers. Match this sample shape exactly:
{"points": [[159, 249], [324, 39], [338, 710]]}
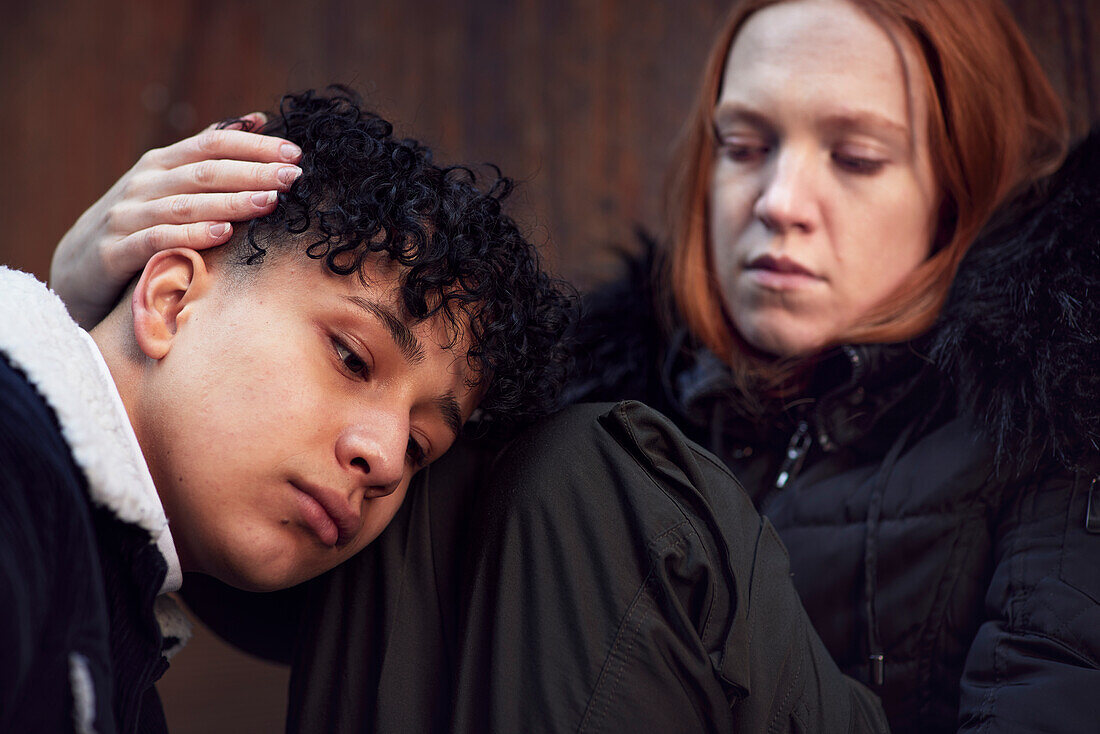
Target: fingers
{"points": [[224, 144], [131, 253], [256, 118], [211, 176], [187, 208]]}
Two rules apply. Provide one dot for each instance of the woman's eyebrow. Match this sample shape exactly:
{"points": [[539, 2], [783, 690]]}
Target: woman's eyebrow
{"points": [[729, 112], [869, 122], [399, 331]]}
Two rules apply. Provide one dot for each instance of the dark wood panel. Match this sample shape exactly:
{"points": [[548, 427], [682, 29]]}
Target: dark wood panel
{"points": [[1064, 35], [578, 99], [211, 688]]}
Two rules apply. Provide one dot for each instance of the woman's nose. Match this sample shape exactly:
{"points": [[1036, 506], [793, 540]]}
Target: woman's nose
{"points": [[372, 449], [788, 199]]}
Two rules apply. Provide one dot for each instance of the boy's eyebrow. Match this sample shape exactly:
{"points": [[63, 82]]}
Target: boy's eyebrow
{"points": [[402, 336], [411, 349], [452, 414]]}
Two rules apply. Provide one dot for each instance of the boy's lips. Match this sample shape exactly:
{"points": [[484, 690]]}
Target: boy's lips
{"points": [[328, 513]]}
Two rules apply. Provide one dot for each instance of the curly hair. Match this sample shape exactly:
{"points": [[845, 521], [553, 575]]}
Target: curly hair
{"points": [[363, 192]]}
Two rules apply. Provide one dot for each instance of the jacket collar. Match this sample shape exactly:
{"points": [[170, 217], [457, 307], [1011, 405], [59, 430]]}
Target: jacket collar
{"points": [[66, 368], [852, 389]]}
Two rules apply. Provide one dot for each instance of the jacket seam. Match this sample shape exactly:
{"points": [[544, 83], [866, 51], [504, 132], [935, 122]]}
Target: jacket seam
{"points": [[634, 438], [598, 704], [932, 631], [998, 656], [796, 682], [596, 700]]}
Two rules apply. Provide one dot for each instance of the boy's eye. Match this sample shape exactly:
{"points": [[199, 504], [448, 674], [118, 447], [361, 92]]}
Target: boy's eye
{"points": [[351, 360], [416, 453]]}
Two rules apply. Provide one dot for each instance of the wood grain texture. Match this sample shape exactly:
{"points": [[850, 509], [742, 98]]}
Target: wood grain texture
{"points": [[1064, 35], [578, 99]]}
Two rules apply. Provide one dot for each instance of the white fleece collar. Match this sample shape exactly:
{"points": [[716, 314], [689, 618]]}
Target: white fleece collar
{"points": [[63, 363]]}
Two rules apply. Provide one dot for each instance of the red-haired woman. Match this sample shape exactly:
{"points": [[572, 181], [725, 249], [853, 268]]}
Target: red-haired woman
{"points": [[881, 321], [912, 408]]}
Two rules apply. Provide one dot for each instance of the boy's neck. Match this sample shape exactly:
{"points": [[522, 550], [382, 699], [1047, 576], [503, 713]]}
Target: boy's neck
{"points": [[114, 338]]}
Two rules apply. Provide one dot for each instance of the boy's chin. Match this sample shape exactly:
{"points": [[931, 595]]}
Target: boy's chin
{"points": [[258, 570], [258, 580], [260, 584]]}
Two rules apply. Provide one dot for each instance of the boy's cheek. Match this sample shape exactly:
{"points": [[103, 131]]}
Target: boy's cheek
{"points": [[257, 551]]}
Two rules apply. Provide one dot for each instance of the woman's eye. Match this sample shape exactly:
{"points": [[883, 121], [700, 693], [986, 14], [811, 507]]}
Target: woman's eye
{"points": [[858, 164], [416, 453], [351, 360], [743, 152]]}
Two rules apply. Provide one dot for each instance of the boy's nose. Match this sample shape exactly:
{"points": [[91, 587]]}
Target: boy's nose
{"points": [[374, 454]]}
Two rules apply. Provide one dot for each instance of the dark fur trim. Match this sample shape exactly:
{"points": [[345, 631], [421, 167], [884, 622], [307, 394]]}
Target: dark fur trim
{"points": [[620, 334], [1019, 334], [1018, 337]]}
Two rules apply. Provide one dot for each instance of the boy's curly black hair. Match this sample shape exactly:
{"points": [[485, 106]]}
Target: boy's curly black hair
{"points": [[363, 192]]}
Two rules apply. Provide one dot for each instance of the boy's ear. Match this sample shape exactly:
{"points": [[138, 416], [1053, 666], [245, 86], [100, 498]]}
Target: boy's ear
{"points": [[171, 281]]}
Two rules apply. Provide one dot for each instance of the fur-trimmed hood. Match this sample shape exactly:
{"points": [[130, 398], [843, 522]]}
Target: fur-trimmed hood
{"points": [[1018, 339]]}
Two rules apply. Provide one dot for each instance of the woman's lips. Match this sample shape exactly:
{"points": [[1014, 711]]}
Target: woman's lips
{"points": [[779, 273]]}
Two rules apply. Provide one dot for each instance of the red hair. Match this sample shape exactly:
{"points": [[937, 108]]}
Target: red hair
{"points": [[995, 126]]}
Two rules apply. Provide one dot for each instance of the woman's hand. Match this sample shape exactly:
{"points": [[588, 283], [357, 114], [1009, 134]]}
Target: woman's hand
{"points": [[183, 195]]}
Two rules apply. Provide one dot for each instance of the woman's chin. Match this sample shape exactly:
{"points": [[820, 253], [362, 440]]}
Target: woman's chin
{"points": [[783, 336]]}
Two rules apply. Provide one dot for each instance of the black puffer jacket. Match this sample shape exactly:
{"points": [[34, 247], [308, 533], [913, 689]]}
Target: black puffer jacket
{"points": [[939, 498]]}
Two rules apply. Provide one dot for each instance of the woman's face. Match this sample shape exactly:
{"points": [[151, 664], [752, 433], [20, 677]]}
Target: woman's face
{"points": [[823, 196]]}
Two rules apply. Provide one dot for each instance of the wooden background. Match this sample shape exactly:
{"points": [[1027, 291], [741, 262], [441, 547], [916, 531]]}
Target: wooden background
{"points": [[578, 99]]}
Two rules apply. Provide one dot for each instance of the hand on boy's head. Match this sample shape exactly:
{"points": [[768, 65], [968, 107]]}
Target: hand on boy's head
{"points": [[183, 195], [285, 388]]}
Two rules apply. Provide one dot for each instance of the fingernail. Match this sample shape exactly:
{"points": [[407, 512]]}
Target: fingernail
{"points": [[217, 230], [290, 151], [288, 174], [263, 198]]}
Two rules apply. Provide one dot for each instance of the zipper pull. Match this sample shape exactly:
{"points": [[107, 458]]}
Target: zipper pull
{"points": [[796, 454]]}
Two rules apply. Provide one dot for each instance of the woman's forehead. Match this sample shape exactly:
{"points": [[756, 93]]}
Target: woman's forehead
{"points": [[824, 58]]}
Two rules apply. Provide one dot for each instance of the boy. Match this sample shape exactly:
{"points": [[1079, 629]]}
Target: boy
{"points": [[270, 399]]}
